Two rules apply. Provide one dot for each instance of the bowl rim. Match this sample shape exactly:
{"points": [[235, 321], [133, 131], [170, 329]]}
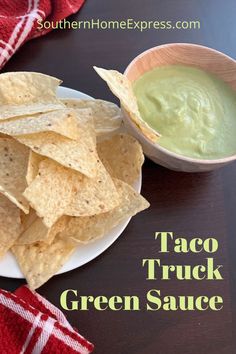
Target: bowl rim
{"points": [[157, 146]]}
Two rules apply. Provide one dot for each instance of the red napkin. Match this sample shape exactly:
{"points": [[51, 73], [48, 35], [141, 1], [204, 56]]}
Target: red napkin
{"points": [[18, 21], [30, 324]]}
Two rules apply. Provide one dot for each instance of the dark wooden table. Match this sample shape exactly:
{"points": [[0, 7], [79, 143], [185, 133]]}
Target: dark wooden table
{"points": [[188, 204]]}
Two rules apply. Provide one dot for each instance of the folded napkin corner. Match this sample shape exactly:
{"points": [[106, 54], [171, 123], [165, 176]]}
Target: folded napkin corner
{"points": [[31, 324]]}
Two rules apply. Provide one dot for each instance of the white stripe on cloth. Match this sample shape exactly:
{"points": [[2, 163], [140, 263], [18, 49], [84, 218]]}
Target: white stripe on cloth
{"points": [[73, 8], [55, 311], [6, 44], [9, 303], [32, 14], [35, 13], [5, 55], [47, 329], [59, 315], [27, 315], [31, 333], [70, 342], [28, 25], [29, 6]]}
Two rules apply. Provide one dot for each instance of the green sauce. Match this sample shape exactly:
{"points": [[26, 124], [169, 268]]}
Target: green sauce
{"points": [[194, 111]]}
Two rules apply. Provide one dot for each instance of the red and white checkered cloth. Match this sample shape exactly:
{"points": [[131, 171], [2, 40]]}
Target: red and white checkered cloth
{"points": [[29, 324], [18, 21]]}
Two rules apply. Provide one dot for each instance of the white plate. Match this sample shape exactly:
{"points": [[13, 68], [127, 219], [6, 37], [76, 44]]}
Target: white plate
{"points": [[84, 253]]}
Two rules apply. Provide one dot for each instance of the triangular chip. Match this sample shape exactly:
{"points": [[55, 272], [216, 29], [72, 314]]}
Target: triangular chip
{"points": [[107, 115], [10, 224], [24, 93], [39, 261], [38, 232], [87, 229], [121, 87], [58, 190], [28, 219], [13, 166], [122, 156], [33, 166], [63, 121], [93, 195], [80, 155], [51, 191]]}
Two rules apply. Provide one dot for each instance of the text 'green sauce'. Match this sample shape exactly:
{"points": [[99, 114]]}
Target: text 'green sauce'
{"points": [[194, 111]]}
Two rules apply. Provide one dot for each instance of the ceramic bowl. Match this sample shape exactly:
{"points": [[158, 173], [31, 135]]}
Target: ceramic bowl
{"points": [[194, 55]]}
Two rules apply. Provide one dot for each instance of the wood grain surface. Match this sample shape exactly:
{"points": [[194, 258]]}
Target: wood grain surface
{"points": [[188, 204]]}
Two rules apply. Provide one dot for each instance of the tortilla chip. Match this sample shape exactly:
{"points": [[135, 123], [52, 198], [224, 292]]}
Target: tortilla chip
{"points": [[93, 195], [38, 232], [122, 89], [13, 166], [10, 224], [3, 135], [63, 121], [39, 261], [107, 115], [51, 191], [80, 155], [24, 93], [58, 190], [28, 219], [87, 229], [122, 156], [33, 166]]}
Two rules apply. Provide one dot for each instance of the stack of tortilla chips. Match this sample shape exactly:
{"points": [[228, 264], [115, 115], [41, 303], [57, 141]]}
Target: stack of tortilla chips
{"points": [[66, 173]]}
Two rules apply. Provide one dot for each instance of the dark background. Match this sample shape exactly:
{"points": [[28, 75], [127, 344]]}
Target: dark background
{"points": [[188, 204]]}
